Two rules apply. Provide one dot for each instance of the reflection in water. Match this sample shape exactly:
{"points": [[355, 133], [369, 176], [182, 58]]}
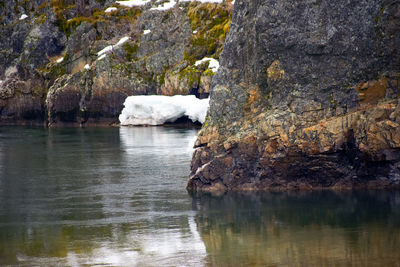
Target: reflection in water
{"points": [[301, 229], [116, 197], [96, 196]]}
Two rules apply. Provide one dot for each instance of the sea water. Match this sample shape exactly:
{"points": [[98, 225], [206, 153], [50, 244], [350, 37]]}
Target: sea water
{"points": [[116, 197]]}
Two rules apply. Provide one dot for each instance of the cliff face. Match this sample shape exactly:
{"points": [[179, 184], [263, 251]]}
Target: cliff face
{"points": [[75, 62], [307, 96]]}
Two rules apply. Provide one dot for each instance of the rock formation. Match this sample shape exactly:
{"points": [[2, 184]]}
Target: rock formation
{"points": [[74, 62], [307, 96]]}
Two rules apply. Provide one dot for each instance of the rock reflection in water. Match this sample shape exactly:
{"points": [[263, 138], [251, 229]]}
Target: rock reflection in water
{"points": [[300, 229], [116, 197], [97, 196]]}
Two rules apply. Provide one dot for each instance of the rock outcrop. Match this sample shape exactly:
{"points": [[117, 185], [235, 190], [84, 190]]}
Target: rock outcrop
{"points": [[307, 97], [75, 62]]}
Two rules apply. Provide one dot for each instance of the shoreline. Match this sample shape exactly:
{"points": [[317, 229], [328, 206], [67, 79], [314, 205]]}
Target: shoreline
{"points": [[285, 189], [94, 125]]}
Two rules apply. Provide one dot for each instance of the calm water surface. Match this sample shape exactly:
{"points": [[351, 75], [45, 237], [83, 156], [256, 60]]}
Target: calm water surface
{"points": [[116, 197]]}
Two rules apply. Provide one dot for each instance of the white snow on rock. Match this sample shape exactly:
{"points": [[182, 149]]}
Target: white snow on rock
{"points": [[111, 47], [146, 32], [87, 67], [213, 64], [110, 9], [60, 60], [102, 56], [131, 3], [122, 40], [23, 16], [165, 6], [157, 110], [105, 50], [203, 1]]}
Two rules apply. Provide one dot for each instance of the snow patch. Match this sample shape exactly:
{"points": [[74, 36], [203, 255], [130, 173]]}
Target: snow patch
{"points": [[131, 3], [204, 1], [201, 168], [110, 9], [146, 32], [157, 110], [213, 64], [105, 50], [87, 67], [165, 6], [60, 60], [102, 56], [23, 16], [111, 47], [122, 40]]}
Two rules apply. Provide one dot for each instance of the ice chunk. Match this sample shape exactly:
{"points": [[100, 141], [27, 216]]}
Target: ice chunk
{"points": [[23, 16], [213, 64], [157, 110], [110, 9], [131, 3]]}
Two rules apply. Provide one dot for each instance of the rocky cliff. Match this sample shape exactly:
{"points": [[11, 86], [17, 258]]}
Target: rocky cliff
{"points": [[75, 61], [307, 96]]}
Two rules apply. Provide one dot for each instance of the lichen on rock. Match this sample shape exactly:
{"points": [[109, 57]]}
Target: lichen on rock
{"points": [[307, 97], [60, 40]]}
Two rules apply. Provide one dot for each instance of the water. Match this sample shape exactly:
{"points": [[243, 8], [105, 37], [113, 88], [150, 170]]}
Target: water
{"points": [[116, 197]]}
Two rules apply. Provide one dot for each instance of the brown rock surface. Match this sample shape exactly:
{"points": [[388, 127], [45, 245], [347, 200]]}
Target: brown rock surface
{"points": [[307, 97]]}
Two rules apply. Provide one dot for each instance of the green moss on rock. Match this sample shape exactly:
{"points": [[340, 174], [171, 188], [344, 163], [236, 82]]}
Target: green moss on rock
{"points": [[130, 51], [210, 23]]}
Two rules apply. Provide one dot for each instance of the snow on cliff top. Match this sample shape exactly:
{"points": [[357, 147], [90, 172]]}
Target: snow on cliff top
{"points": [[131, 3], [110, 9], [204, 1], [157, 109], [160, 6], [164, 6]]}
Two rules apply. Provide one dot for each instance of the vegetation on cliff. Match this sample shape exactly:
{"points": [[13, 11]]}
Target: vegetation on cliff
{"points": [[62, 40]]}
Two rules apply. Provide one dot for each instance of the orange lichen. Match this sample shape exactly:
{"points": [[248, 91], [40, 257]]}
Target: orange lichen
{"points": [[275, 71], [373, 91]]}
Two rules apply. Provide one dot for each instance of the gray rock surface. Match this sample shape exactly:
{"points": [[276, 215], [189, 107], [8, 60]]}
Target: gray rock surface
{"points": [[306, 97], [51, 57]]}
